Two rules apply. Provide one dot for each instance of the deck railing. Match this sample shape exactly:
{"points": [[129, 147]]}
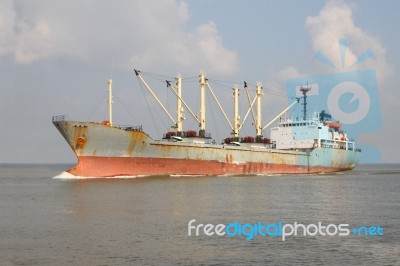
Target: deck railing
{"points": [[130, 128], [59, 118]]}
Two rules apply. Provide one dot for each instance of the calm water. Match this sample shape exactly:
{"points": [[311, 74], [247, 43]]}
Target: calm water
{"points": [[143, 221]]}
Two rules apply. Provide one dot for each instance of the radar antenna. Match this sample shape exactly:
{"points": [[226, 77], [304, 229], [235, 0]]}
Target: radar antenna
{"points": [[304, 90]]}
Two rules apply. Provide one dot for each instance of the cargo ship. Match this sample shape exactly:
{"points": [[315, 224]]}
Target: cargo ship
{"points": [[302, 144]]}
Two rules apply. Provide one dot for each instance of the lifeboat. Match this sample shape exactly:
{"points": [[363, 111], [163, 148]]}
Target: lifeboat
{"points": [[106, 123], [333, 125]]}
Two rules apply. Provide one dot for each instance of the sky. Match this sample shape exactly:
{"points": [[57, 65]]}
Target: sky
{"points": [[56, 58]]}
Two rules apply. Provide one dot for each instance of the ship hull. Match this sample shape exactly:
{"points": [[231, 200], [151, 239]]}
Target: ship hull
{"points": [[105, 151], [95, 166]]}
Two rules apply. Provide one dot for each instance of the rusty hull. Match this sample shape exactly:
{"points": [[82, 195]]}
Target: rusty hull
{"points": [[105, 151], [130, 166]]}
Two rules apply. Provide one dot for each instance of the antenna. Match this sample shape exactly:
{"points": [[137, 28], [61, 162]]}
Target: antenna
{"points": [[304, 90], [110, 102], [203, 83], [112, 68]]}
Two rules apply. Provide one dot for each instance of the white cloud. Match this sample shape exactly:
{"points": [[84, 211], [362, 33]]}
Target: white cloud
{"points": [[142, 33], [33, 42], [334, 22], [199, 49], [278, 79], [210, 44]]}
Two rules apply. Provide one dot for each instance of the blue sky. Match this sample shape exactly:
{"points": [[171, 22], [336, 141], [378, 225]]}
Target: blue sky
{"points": [[56, 56]]}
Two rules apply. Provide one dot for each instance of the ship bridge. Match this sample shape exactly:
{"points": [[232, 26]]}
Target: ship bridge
{"points": [[295, 133]]}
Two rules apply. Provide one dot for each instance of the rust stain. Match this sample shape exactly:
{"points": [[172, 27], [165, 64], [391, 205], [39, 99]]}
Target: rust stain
{"points": [[229, 158], [187, 156], [143, 146], [132, 144], [80, 139], [136, 138]]}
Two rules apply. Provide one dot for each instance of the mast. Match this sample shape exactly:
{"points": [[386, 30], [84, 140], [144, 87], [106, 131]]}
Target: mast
{"points": [[251, 103], [259, 118], [202, 131], [304, 90], [182, 101], [236, 111], [110, 102], [179, 109], [137, 72]]}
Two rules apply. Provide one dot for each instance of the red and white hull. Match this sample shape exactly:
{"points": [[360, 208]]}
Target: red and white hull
{"points": [[105, 151]]}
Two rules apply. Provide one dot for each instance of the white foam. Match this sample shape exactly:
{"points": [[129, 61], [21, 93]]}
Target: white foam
{"points": [[69, 176], [177, 175], [127, 176], [66, 175], [272, 174]]}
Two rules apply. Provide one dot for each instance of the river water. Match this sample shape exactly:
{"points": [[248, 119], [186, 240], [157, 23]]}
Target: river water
{"points": [[144, 220]]}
